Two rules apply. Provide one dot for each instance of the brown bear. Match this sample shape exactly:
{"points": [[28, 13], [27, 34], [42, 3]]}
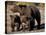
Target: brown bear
{"points": [[33, 14]]}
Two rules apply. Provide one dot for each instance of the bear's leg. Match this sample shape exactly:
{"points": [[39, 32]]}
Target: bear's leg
{"points": [[18, 28], [32, 23], [38, 19]]}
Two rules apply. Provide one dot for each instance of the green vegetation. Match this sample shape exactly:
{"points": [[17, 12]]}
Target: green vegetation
{"points": [[25, 3], [30, 3]]}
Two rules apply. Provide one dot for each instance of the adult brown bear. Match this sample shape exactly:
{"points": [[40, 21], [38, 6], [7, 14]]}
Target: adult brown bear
{"points": [[32, 13]]}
